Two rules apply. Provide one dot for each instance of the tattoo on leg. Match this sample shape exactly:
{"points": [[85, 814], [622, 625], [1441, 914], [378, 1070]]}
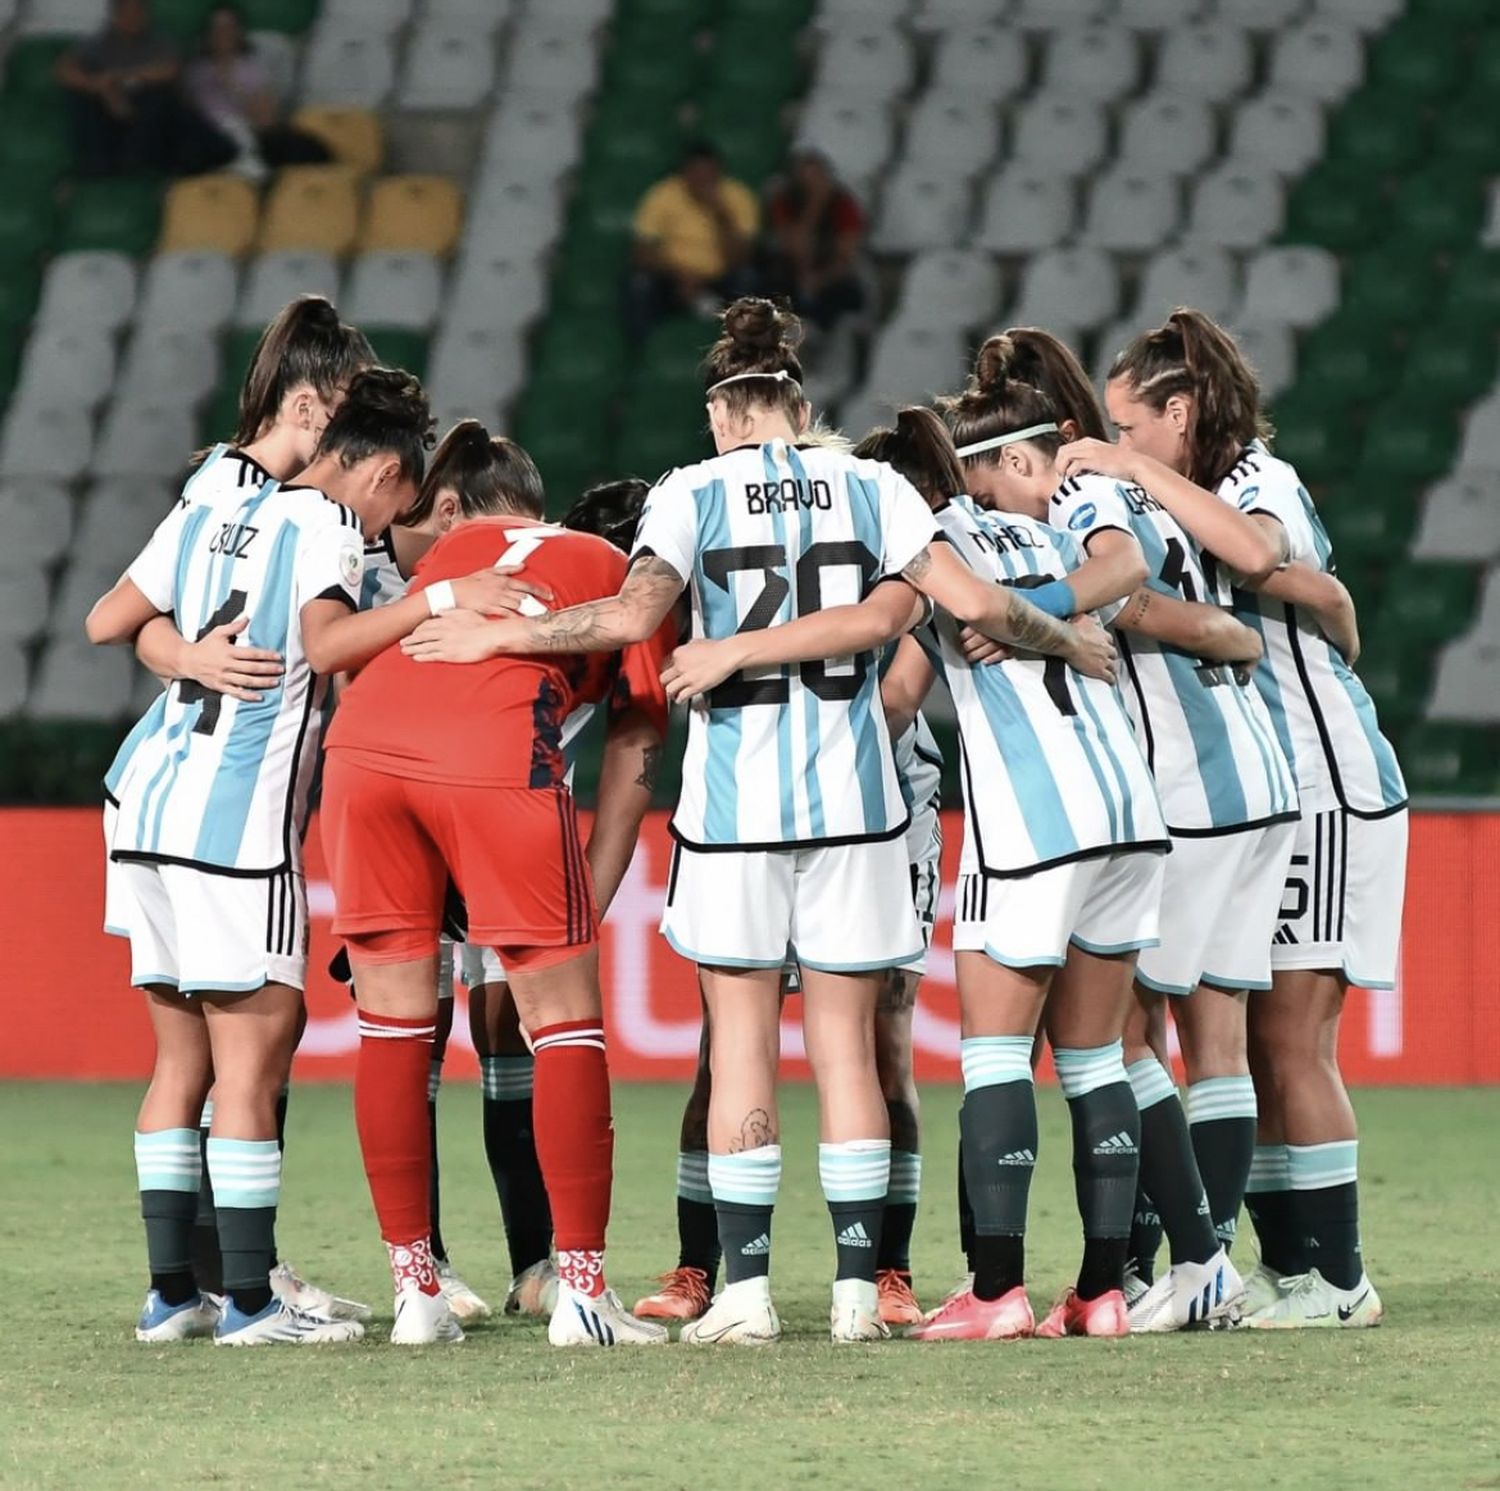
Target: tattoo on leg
{"points": [[898, 992], [905, 1130], [650, 768], [755, 1132]]}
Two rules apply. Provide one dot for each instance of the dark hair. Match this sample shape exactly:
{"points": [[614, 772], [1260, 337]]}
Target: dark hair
{"points": [[1191, 355], [611, 510], [997, 402], [1031, 355], [758, 337], [246, 45], [701, 150], [384, 413], [306, 343], [920, 449], [491, 474]]}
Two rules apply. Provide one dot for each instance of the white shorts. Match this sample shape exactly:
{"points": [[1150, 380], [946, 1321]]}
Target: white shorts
{"points": [[1344, 895], [116, 897], [924, 852], [480, 965], [1219, 900], [1108, 904], [843, 909], [222, 934]]}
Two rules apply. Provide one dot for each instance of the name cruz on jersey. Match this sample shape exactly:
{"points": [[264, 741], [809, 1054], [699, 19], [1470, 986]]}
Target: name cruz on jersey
{"points": [[1208, 738], [1051, 768], [1324, 717], [788, 755]]}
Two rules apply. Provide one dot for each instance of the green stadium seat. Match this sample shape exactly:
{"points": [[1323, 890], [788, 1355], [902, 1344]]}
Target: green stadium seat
{"points": [[770, 17], [570, 451], [221, 415], [1338, 207], [294, 16], [396, 347], [26, 228], [658, 65], [1377, 131], [648, 449], [1389, 287], [1437, 209], [1415, 61], [748, 61], [12, 339], [752, 143], [1308, 436], [122, 215], [1451, 363], [675, 16], [28, 68], [1457, 760], [1370, 522], [1469, 132], [630, 142], [1432, 603], [183, 19], [1459, 15], [1484, 66], [675, 349], [1398, 676], [1473, 293], [1405, 445], [20, 286], [34, 149], [1348, 358]]}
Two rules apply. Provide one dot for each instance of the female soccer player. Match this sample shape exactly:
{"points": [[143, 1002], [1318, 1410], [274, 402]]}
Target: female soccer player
{"points": [[435, 774], [208, 832], [790, 823], [1226, 791], [1187, 407]]}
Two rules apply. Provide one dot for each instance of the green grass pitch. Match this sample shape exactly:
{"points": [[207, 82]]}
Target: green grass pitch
{"points": [[1415, 1404]]}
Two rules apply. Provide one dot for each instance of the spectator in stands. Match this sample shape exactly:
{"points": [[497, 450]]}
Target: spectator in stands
{"points": [[694, 233], [817, 228], [231, 88], [128, 112]]}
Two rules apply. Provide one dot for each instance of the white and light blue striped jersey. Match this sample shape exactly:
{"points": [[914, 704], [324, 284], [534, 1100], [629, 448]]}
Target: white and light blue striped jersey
{"points": [[790, 755], [382, 581], [919, 765], [222, 478], [1051, 768], [1323, 715], [218, 783], [1208, 738]]}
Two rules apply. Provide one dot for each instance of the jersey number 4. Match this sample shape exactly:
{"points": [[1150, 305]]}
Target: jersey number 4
{"points": [[772, 562], [189, 690]]}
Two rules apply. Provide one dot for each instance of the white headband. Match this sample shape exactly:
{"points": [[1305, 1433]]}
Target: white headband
{"points": [[781, 376], [980, 446]]}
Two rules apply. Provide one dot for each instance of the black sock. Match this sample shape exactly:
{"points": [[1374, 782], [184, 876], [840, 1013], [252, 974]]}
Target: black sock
{"points": [[698, 1237], [510, 1148], [999, 1129], [1222, 1115], [900, 1211], [999, 1264], [1145, 1237], [1268, 1199], [1103, 1266], [1169, 1176], [965, 1207], [168, 1216], [856, 1237], [281, 1107], [434, 1200], [246, 1240], [745, 1236], [1327, 1220], [207, 1264], [1106, 1163]]}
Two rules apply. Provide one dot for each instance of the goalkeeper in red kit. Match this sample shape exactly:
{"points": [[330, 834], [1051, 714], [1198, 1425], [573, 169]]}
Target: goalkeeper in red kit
{"points": [[457, 772]]}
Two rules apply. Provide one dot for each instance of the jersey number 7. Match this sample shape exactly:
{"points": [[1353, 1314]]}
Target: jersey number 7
{"points": [[190, 690]]}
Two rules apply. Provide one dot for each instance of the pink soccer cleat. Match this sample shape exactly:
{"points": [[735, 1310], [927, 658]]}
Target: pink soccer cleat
{"points": [[966, 1317], [1071, 1316]]}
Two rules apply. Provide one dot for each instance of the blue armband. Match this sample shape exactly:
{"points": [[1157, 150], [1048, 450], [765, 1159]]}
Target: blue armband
{"points": [[1056, 598]]}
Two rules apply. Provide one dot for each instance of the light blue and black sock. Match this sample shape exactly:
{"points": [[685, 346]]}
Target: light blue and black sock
{"points": [[1221, 1115], [900, 1211], [999, 1132], [167, 1171], [856, 1174], [697, 1221], [208, 1266], [510, 1148], [247, 1187], [434, 1190], [1325, 1208], [1268, 1199], [744, 1186], [1169, 1170]]}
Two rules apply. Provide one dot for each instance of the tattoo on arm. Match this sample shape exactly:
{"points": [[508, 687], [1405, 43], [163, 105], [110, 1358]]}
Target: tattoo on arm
{"points": [[755, 1132], [1033, 629], [917, 569], [652, 585], [1136, 608], [650, 768]]}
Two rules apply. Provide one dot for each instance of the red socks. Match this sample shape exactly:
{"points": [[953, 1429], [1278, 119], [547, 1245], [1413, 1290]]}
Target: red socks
{"points": [[575, 1145], [390, 1112]]}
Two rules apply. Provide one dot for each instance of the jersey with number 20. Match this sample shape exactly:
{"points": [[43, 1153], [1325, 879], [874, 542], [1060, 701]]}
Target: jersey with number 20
{"points": [[796, 755]]}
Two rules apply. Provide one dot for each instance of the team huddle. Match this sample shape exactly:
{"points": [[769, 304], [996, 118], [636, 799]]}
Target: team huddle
{"points": [[1175, 795]]}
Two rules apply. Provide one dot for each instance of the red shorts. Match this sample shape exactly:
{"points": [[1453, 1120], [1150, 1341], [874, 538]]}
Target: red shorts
{"points": [[513, 852]]}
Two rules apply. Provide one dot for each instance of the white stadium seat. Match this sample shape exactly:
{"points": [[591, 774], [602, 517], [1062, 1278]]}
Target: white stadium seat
{"points": [[980, 62], [1364, 15], [1284, 131], [1211, 61], [1067, 290], [494, 292], [24, 613], [1271, 349], [391, 288], [469, 362], [1461, 518], [521, 222], [1162, 15], [1239, 206], [78, 682], [145, 438], [479, 15], [1481, 442], [869, 59], [1467, 685], [36, 522], [533, 133], [1321, 59], [857, 135], [949, 15], [921, 209], [91, 288], [63, 17], [48, 442], [1025, 209], [549, 55], [189, 288], [12, 675], [1261, 15], [912, 361], [950, 287], [1130, 211], [947, 134], [841, 15], [67, 365], [1097, 62], [1198, 275], [354, 67], [275, 278], [1061, 134], [1047, 15], [1296, 286], [448, 66], [384, 16], [278, 55], [1167, 132], [171, 362], [118, 518]]}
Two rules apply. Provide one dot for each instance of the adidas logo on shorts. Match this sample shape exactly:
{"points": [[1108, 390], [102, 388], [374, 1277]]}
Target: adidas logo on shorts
{"points": [[855, 1237], [757, 1249], [1017, 1157], [1120, 1143]]}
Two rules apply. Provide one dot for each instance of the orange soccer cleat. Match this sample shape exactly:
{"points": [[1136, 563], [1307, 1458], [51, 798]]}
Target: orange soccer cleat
{"points": [[898, 1305], [1071, 1316], [684, 1295], [963, 1316]]}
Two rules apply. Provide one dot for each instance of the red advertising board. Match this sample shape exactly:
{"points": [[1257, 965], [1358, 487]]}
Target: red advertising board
{"points": [[68, 1011]]}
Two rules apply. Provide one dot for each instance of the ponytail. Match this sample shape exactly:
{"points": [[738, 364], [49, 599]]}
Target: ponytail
{"points": [[611, 511], [1192, 356], [997, 402], [492, 476], [920, 449], [1037, 357], [305, 344]]}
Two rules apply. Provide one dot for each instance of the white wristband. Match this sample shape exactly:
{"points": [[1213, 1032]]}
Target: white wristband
{"points": [[440, 597]]}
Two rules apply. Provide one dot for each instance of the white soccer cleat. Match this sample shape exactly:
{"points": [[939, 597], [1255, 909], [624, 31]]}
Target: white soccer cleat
{"points": [[599, 1320], [190, 1321], [1309, 1301], [1263, 1287], [423, 1319], [462, 1300], [533, 1291], [281, 1325], [1190, 1296], [741, 1315], [855, 1315], [1135, 1286], [293, 1290]]}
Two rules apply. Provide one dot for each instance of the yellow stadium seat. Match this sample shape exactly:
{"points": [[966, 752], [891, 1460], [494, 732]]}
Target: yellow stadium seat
{"points": [[354, 135], [211, 212], [312, 207], [413, 213]]}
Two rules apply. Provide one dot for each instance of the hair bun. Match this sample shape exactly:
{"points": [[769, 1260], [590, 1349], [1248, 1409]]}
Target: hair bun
{"points": [[993, 365], [755, 324]]}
